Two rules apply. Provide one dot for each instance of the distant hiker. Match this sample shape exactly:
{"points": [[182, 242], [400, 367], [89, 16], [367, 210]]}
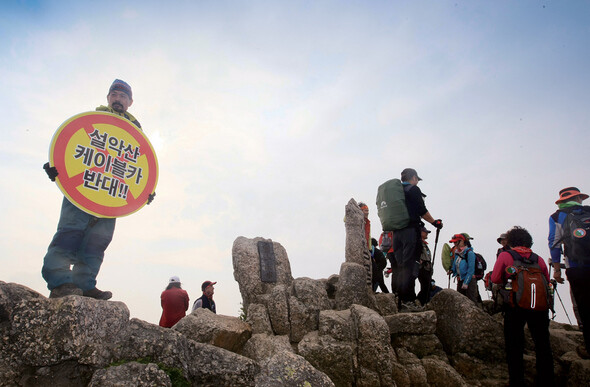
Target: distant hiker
{"points": [[76, 252], [386, 246], [379, 263], [463, 267], [570, 226], [434, 289], [517, 313], [206, 300], [504, 242], [407, 245], [174, 302], [365, 210], [425, 270]]}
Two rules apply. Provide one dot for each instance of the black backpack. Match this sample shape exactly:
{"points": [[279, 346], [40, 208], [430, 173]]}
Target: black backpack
{"points": [[576, 233], [480, 266]]}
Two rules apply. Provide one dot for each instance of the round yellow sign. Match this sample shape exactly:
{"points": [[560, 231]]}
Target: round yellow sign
{"points": [[107, 167]]}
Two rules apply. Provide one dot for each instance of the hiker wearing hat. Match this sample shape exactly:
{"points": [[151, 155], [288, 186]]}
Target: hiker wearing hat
{"points": [[425, 271], [463, 267], [174, 301], [530, 312], [570, 226], [76, 252], [407, 242], [206, 300], [504, 242]]}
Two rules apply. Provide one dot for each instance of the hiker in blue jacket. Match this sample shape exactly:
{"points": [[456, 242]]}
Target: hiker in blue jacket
{"points": [[463, 267], [577, 265]]}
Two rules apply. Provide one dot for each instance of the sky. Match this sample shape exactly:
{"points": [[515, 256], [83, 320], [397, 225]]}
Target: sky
{"points": [[267, 117]]}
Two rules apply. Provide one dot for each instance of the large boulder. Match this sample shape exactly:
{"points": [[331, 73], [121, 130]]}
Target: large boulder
{"points": [[462, 327], [131, 374], [246, 263], [204, 326], [289, 369], [262, 346]]}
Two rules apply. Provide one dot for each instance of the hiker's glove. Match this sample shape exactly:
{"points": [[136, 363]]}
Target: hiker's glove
{"points": [[51, 171], [438, 224], [151, 198]]}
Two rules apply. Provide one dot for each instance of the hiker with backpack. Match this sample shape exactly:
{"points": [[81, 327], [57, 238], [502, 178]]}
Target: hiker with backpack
{"points": [[463, 267], [401, 207], [527, 299], [570, 226]]}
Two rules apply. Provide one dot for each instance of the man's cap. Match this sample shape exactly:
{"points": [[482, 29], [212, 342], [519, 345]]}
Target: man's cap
{"points": [[408, 173], [502, 236], [363, 205], [424, 229], [457, 238], [174, 280], [121, 86], [206, 284], [467, 237], [568, 193]]}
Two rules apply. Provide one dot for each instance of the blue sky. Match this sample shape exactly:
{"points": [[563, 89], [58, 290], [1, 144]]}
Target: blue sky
{"points": [[267, 117]]}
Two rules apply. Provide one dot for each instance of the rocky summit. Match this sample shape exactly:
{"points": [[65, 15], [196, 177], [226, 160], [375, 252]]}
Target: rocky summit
{"points": [[296, 332]]}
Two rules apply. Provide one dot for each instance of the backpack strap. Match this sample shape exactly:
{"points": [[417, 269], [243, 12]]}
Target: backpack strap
{"points": [[534, 258]]}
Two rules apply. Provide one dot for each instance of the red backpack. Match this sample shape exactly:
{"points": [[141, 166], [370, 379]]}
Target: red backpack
{"points": [[530, 289]]}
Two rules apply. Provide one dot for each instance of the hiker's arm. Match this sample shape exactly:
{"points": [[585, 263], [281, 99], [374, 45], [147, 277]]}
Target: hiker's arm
{"points": [[427, 217]]}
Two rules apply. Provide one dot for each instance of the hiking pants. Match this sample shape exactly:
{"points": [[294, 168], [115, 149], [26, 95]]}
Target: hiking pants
{"points": [[579, 278], [407, 248], [472, 292], [424, 277], [538, 323], [80, 240]]}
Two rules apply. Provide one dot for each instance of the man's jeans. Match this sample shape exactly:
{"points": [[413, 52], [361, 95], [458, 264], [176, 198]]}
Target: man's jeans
{"points": [[80, 240]]}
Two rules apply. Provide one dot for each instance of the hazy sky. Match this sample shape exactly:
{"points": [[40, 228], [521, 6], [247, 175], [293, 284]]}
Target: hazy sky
{"points": [[267, 117]]}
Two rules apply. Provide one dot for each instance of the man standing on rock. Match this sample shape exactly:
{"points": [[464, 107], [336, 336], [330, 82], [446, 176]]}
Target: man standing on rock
{"points": [[407, 242], [206, 300], [76, 252]]}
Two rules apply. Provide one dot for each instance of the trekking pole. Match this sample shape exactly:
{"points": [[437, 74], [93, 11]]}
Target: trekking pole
{"points": [[554, 282], [561, 302], [434, 251]]}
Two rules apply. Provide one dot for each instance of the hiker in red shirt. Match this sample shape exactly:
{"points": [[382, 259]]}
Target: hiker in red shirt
{"points": [[515, 317], [174, 303]]}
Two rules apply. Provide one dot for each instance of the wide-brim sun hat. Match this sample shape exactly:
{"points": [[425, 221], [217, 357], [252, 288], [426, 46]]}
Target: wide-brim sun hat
{"points": [[568, 193]]}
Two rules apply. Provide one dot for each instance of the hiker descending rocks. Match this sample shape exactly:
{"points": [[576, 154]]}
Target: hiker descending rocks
{"points": [[463, 267], [378, 263], [526, 300], [400, 207], [206, 300], [174, 301], [570, 226]]}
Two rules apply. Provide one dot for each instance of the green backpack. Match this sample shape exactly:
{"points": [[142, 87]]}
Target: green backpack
{"points": [[391, 205]]}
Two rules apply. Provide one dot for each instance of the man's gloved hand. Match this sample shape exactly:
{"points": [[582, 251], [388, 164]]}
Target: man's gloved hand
{"points": [[51, 171], [151, 198], [438, 224]]}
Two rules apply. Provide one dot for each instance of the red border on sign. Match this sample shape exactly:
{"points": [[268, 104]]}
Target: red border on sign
{"points": [[70, 184]]}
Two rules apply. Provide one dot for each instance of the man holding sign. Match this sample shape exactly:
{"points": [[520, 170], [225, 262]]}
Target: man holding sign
{"points": [[106, 168]]}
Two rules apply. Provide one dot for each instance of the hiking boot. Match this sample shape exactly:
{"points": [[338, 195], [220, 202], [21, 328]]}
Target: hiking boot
{"points": [[582, 352], [63, 290], [98, 294]]}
